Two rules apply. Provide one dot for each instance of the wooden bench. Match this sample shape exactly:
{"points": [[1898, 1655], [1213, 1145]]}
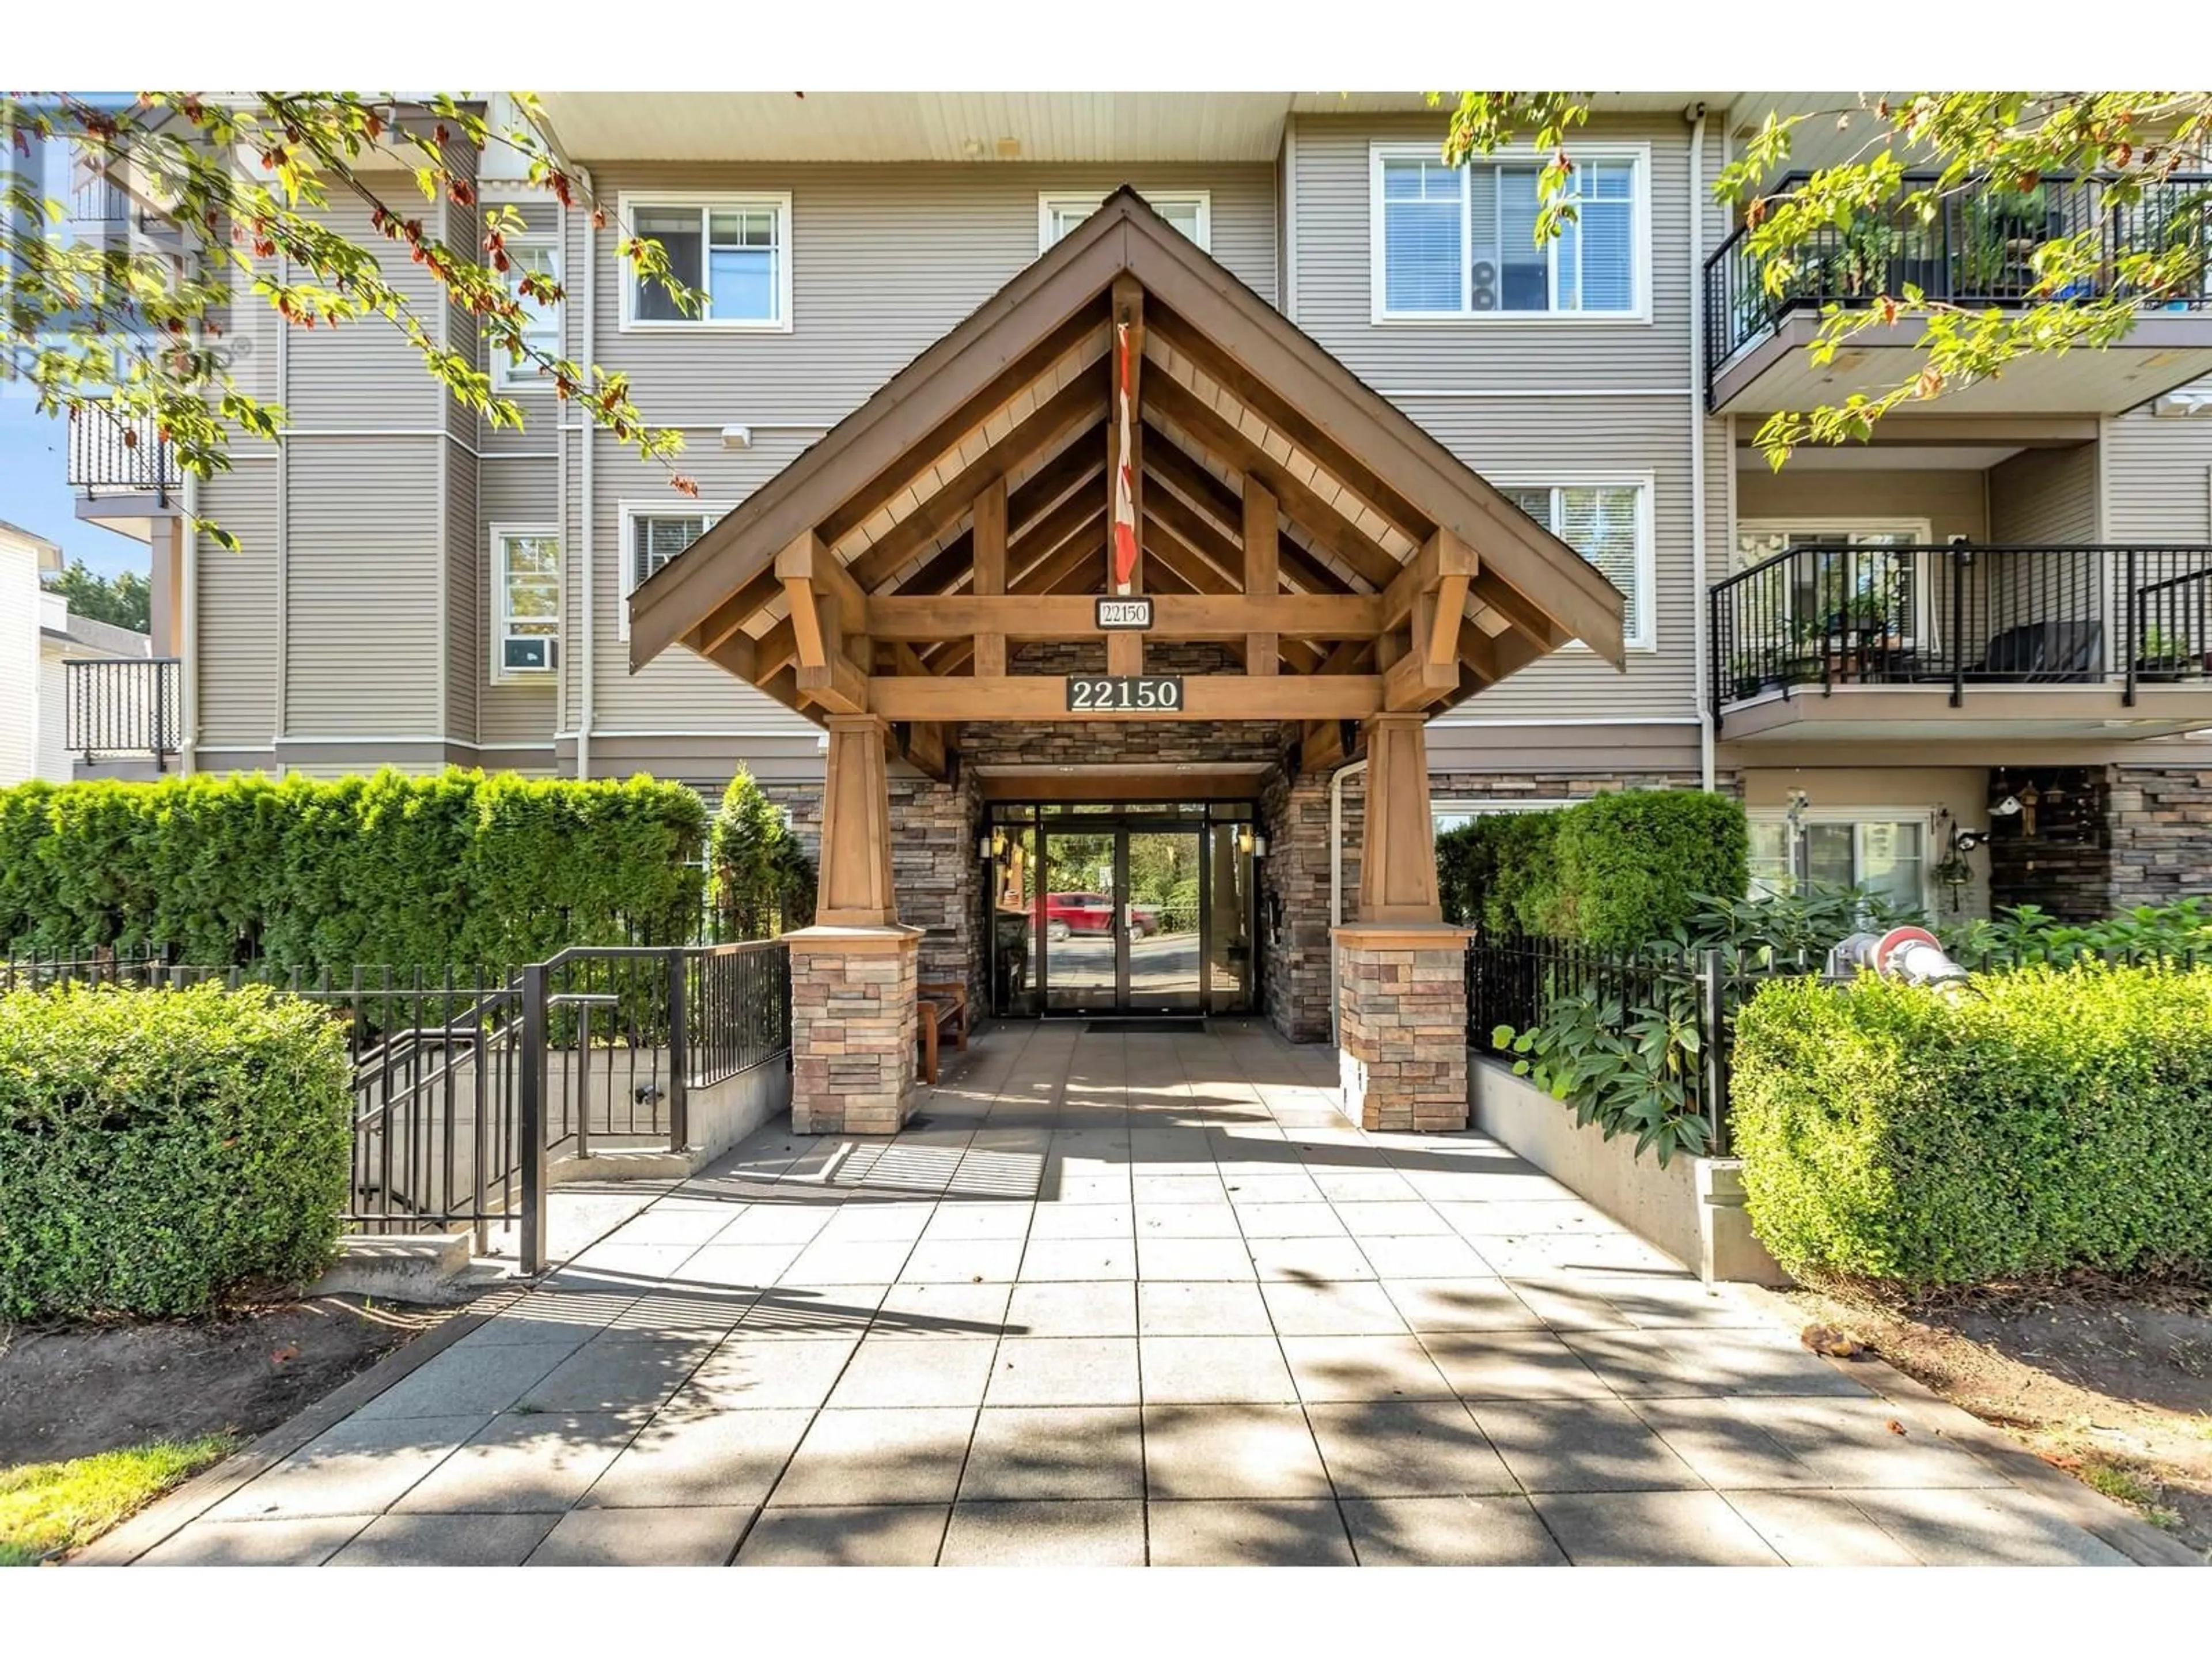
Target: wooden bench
{"points": [[943, 1003]]}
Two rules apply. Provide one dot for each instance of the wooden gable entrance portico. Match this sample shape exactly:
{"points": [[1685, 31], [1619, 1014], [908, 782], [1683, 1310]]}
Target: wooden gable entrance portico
{"points": [[1310, 556]]}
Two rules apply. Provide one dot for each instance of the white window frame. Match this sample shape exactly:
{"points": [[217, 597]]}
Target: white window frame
{"points": [[1635, 153], [500, 674], [1924, 816], [521, 377], [1647, 535], [1052, 201], [625, 570], [630, 202]]}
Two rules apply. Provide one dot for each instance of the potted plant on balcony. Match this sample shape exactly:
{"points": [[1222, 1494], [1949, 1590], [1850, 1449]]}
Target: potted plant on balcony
{"points": [[1745, 678], [2165, 657], [1808, 651]]}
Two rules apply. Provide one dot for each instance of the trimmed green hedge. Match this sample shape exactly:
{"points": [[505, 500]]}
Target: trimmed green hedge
{"points": [[2055, 1120], [160, 1150], [459, 868], [1616, 871]]}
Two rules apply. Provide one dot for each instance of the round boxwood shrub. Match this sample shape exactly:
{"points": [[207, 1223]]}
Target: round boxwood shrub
{"points": [[2048, 1121], [162, 1150]]}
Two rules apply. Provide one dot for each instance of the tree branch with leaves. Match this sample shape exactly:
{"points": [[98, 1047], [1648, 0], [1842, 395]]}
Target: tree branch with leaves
{"points": [[2080, 285], [243, 190]]}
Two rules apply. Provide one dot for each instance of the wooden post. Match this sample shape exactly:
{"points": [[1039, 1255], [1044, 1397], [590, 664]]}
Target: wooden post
{"points": [[1124, 653], [855, 889], [990, 545], [1262, 571], [1398, 847]]}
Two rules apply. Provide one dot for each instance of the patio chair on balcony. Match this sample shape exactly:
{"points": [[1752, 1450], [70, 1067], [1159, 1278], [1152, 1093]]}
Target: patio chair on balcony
{"points": [[2062, 652]]}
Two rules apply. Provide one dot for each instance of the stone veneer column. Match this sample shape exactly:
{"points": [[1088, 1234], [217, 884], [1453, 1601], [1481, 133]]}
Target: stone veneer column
{"points": [[1400, 973], [1401, 1025], [852, 1028]]}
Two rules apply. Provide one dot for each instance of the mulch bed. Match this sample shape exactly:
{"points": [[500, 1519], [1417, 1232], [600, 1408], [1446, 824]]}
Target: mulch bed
{"points": [[70, 1391], [2110, 1380]]}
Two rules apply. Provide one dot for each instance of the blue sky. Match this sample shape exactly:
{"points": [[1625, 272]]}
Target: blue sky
{"points": [[34, 490]]}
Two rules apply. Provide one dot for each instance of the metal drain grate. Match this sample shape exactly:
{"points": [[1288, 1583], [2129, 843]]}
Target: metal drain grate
{"points": [[1193, 1026]]}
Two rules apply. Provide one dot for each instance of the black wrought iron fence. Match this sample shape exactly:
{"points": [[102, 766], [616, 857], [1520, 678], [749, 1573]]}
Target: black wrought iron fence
{"points": [[465, 1085], [1978, 250], [1962, 615]]}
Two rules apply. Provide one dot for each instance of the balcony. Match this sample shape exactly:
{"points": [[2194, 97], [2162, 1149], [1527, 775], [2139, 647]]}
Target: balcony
{"points": [[123, 470], [1977, 252], [123, 713], [1964, 640]]}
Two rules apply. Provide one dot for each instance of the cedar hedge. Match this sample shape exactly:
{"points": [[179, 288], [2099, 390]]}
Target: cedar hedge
{"points": [[1616, 871], [161, 1150], [2052, 1121], [457, 869]]}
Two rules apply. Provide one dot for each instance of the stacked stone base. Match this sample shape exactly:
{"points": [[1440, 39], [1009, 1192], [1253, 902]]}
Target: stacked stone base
{"points": [[1402, 1026], [852, 1028]]}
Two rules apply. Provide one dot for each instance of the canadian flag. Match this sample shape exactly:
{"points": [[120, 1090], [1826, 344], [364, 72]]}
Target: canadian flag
{"points": [[1125, 479]]}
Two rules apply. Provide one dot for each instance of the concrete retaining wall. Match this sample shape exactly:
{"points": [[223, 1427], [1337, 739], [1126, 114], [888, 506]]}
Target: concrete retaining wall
{"points": [[1693, 1209], [723, 1113]]}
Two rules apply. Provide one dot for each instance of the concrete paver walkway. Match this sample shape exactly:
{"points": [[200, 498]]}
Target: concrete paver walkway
{"points": [[1121, 1299]]}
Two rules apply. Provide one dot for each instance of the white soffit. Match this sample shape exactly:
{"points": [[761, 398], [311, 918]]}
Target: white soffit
{"points": [[919, 126]]}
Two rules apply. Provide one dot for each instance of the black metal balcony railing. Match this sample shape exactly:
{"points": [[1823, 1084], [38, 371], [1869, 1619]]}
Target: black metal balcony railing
{"points": [[1961, 616], [124, 708], [1977, 251], [116, 453]]}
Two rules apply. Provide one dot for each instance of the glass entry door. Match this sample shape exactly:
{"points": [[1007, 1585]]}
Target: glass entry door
{"points": [[1125, 918]]}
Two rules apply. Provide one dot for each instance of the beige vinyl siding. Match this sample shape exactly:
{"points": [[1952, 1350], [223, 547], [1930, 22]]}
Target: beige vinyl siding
{"points": [[680, 691], [1949, 503], [2045, 497], [365, 376], [885, 260], [466, 629], [363, 655], [2158, 478], [1501, 395], [235, 624], [512, 492]]}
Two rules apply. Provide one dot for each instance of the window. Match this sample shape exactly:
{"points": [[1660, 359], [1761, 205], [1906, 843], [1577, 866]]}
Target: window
{"points": [[541, 319], [1888, 855], [1833, 591], [1190, 211], [735, 250], [651, 539], [525, 587], [1609, 524], [1461, 241]]}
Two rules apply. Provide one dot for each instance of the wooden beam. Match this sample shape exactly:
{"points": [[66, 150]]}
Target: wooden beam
{"points": [[813, 641], [1442, 555], [737, 654], [1124, 653], [1262, 575], [1167, 462], [1197, 533], [1049, 534], [990, 580], [1206, 696], [1294, 424], [1321, 746], [923, 448], [807, 557], [1073, 408], [925, 748], [1446, 617], [1201, 573], [839, 685], [1413, 682], [1211, 616], [735, 612], [1333, 530], [1397, 848], [1524, 615]]}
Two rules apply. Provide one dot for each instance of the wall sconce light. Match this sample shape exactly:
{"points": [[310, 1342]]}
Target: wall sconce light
{"points": [[984, 849], [1259, 847], [736, 437]]}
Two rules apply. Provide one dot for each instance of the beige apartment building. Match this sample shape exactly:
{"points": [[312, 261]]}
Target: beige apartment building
{"points": [[1994, 622]]}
